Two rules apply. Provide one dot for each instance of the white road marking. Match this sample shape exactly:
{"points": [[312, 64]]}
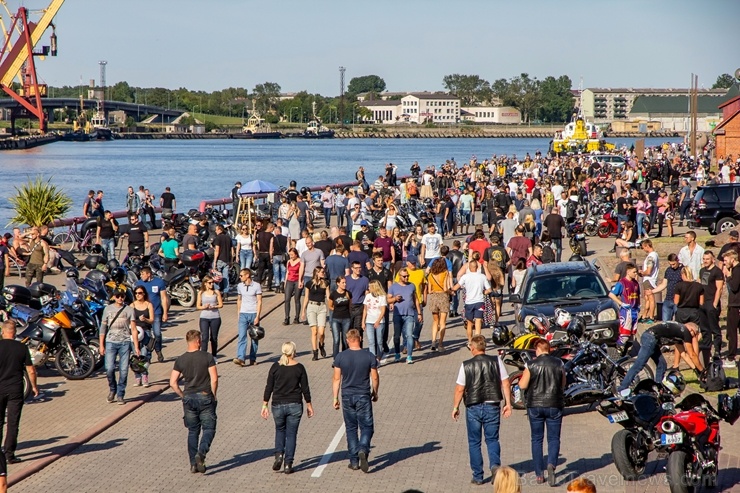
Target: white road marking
{"points": [[329, 452]]}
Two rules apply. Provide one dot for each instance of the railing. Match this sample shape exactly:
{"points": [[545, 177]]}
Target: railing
{"points": [[68, 221]]}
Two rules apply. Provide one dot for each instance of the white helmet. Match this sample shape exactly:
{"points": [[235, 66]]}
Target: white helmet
{"points": [[562, 317], [140, 333]]}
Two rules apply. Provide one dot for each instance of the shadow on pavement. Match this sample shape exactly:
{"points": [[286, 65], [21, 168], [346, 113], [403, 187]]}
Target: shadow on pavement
{"points": [[38, 443], [580, 467], [97, 447], [241, 460], [391, 458], [728, 479]]}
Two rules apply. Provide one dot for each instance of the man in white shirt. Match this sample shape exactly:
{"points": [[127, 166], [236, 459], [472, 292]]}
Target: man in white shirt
{"points": [[557, 189], [430, 245], [477, 288], [691, 255], [649, 273]]}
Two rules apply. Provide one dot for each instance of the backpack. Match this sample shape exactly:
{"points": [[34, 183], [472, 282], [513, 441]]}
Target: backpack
{"points": [[716, 379], [548, 256]]}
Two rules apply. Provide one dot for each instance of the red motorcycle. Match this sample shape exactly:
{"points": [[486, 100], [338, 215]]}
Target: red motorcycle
{"points": [[691, 439], [608, 225]]}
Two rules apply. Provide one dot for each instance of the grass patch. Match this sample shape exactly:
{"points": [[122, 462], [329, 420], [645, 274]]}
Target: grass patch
{"points": [[218, 119], [693, 383], [678, 240]]}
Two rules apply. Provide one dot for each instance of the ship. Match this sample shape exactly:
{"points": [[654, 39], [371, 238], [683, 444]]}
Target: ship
{"points": [[580, 136], [94, 129], [315, 129], [257, 128]]}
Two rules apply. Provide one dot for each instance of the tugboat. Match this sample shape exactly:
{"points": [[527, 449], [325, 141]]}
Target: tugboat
{"points": [[580, 136], [99, 124], [315, 130], [258, 128], [84, 130]]}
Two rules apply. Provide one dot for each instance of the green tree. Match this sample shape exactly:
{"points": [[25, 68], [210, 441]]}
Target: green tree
{"points": [[724, 81], [471, 89], [556, 100], [121, 91], [366, 83], [39, 202], [266, 96]]}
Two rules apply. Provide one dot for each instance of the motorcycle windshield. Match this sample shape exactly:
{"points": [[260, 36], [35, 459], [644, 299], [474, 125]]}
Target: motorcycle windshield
{"points": [[691, 401], [647, 408]]}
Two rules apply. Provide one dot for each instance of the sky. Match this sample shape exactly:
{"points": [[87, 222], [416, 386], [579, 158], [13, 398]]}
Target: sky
{"points": [[412, 44]]}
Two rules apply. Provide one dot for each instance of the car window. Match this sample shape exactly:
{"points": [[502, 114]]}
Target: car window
{"points": [[563, 287], [723, 194]]}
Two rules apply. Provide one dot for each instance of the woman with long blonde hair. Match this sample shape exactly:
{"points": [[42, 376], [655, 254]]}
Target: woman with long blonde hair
{"points": [[208, 302], [314, 310], [287, 384], [437, 298], [373, 317], [506, 480]]}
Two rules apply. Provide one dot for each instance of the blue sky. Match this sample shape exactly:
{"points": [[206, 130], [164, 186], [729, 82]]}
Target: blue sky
{"points": [[412, 44]]}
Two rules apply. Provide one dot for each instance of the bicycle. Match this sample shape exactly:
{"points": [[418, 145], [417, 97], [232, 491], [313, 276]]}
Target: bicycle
{"points": [[71, 239]]}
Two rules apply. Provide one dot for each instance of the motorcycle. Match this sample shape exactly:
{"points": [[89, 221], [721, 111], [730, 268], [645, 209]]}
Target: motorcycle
{"points": [[577, 241], [608, 225]]}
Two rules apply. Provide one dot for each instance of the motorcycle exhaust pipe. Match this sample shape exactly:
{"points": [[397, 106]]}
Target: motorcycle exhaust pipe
{"points": [[668, 427]]}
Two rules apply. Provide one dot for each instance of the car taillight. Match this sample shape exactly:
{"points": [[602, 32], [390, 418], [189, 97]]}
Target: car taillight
{"points": [[702, 204]]}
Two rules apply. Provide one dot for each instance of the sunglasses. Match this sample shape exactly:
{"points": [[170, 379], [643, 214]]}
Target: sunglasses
{"points": [[139, 292], [404, 277]]}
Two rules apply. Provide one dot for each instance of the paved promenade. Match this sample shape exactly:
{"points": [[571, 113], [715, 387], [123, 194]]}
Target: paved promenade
{"points": [[141, 447]]}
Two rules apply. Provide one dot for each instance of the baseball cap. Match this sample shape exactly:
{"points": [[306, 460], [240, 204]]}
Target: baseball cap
{"points": [[364, 223], [412, 259], [734, 233]]}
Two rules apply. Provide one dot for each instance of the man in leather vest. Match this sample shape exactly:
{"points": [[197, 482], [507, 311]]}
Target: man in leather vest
{"points": [[483, 382], [545, 379]]}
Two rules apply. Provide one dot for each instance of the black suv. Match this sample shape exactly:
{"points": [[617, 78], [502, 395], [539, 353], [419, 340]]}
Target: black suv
{"points": [[576, 287], [713, 208]]}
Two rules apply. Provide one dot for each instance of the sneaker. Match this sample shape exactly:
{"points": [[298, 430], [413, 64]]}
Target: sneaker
{"points": [[200, 463], [288, 468], [111, 397], [137, 382], [239, 362], [729, 363], [649, 321], [476, 481], [193, 469], [409, 361], [397, 358], [364, 466], [145, 380], [120, 401]]}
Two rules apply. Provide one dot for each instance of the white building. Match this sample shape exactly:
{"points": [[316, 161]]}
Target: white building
{"points": [[384, 112], [422, 107], [177, 126], [492, 114]]}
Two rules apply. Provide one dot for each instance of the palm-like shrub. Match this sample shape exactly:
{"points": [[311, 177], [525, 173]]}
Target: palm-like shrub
{"points": [[39, 202]]}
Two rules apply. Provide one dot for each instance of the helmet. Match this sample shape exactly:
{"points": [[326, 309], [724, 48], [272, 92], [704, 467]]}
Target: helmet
{"points": [[539, 325], [73, 273], [526, 341], [305, 191], [97, 250], [501, 335], [576, 327], [97, 275], [562, 317], [116, 292], [292, 183], [140, 333], [728, 407], [138, 363], [112, 264], [203, 234], [575, 258], [674, 382], [256, 332], [118, 274], [216, 275], [92, 261]]}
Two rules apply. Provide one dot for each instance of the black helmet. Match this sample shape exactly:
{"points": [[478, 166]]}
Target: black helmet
{"points": [[256, 332], [73, 273], [305, 191], [501, 335], [97, 250], [728, 407], [292, 183], [112, 264], [138, 363], [118, 275], [203, 234], [576, 327], [92, 261], [97, 275], [575, 258]]}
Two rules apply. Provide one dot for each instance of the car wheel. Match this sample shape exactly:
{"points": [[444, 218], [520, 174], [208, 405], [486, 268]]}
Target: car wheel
{"points": [[725, 224]]}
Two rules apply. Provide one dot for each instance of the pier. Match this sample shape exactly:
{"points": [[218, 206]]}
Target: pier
{"points": [[20, 143]]}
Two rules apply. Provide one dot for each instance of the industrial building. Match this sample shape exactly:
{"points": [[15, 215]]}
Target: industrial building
{"points": [[602, 105], [672, 112]]}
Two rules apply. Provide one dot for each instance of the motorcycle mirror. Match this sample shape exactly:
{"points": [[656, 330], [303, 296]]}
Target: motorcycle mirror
{"points": [[625, 393]]}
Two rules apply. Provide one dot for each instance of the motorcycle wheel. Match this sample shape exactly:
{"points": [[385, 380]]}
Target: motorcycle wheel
{"points": [[625, 454], [517, 394], [574, 246], [591, 229], [582, 248], [675, 471], [94, 346], [645, 374], [186, 296], [604, 231], [66, 366], [27, 389]]}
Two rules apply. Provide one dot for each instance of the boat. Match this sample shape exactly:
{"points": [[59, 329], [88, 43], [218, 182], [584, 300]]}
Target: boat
{"points": [[94, 129], [257, 128], [580, 136], [315, 129], [99, 124]]}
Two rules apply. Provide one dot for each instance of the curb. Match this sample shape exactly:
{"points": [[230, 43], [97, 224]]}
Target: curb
{"points": [[105, 424]]}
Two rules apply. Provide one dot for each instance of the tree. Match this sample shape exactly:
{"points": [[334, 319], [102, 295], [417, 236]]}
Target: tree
{"points": [[556, 100], [724, 81], [471, 89], [38, 202], [366, 83], [266, 96]]}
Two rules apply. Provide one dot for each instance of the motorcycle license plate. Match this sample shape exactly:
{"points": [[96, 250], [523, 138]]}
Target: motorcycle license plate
{"points": [[618, 417], [517, 394], [671, 439], [194, 280]]}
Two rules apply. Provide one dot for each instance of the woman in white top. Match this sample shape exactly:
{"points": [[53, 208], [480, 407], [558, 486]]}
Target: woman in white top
{"points": [[245, 247], [518, 275], [373, 317], [389, 221]]}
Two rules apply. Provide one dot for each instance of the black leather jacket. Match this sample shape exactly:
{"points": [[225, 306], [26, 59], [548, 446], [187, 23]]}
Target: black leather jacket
{"points": [[482, 380], [545, 382]]}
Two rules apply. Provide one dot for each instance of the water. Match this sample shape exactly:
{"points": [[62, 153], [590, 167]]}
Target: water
{"points": [[207, 169]]}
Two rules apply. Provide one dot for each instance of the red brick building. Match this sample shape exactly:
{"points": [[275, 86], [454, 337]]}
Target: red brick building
{"points": [[727, 133]]}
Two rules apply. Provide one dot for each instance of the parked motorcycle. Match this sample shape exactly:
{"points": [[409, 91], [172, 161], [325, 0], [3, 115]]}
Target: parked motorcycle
{"points": [[577, 238], [608, 225]]}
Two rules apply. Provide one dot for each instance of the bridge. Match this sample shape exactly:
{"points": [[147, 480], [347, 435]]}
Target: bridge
{"points": [[130, 108]]}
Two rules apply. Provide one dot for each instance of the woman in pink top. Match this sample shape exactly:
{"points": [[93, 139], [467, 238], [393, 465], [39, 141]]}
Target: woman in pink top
{"points": [[641, 208], [662, 204]]}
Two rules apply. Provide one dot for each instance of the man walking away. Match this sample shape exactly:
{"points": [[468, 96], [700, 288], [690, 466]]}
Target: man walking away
{"points": [[168, 204], [545, 379], [14, 360], [198, 370], [483, 382], [356, 372], [222, 257]]}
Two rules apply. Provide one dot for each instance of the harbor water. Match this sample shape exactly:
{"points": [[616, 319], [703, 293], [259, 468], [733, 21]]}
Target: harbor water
{"points": [[207, 169]]}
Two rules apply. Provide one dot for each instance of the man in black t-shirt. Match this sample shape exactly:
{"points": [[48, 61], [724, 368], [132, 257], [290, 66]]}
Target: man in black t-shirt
{"points": [[14, 360], [713, 281], [554, 224], [138, 236], [682, 336], [222, 256], [168, 203], [622, 206], [106, 234], [198, 369]]}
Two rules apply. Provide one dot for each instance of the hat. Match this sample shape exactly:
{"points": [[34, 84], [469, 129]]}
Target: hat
{"points": [[412, 259], [734, 233], [165, 236], [364, 223]]}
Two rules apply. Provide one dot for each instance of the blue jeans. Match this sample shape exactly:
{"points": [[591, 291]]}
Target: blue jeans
{"points": [[640, 229], [440, 222], [669, 310], [245, 258], [405, 324], [649, 349], [123, 351], [109, 247], [341, 211], [223, 267], [375, 338], [358, 415], [327, 216], [483, 418], [339, 329], [287, 418], [157, 331], [245, 320], [200, 415], [454, 299], [558, 242], [538, 418], [278, 270]]}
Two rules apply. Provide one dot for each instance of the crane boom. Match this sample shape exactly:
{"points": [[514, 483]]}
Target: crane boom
{"points": [[12, 65]]}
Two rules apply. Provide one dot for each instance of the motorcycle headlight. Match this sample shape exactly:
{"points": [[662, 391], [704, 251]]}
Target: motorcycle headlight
{"points": [[607, 315], [527, 320]]}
